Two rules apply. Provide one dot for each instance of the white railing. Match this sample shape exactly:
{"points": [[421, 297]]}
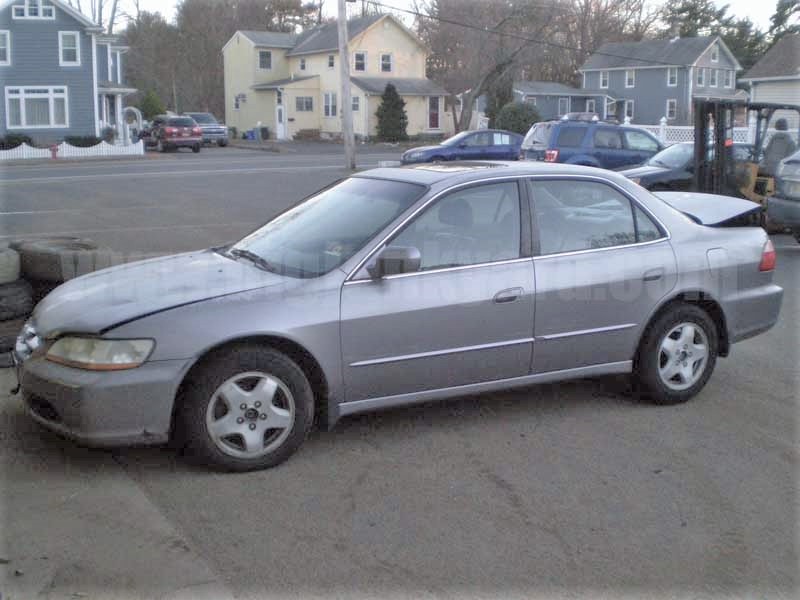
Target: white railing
{"points": [[64, 150], [675, 134]]}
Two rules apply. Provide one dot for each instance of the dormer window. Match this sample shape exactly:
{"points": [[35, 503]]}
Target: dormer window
{"points": [[69, 49], [33, 9], [715, 53]]}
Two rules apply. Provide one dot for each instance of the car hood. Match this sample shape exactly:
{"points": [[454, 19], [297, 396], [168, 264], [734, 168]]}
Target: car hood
{"points": [[643, 171], [99, 301], [709, 209], [422, 149]]}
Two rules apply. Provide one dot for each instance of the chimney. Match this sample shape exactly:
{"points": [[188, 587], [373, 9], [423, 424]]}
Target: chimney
{"points": [[674, 31]]}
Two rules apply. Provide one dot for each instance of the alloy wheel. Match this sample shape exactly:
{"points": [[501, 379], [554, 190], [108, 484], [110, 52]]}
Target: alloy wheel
{"points": [[683, 356]]}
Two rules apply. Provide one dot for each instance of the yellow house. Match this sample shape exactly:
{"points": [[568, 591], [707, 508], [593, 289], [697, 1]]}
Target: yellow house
{"points": [[290, 82]]}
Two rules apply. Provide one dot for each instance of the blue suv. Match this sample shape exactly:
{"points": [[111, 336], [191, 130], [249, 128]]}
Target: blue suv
{"points": [[589, 142]]}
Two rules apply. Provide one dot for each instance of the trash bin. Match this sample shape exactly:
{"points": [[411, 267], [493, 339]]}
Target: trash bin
{"points": [[265, 133]]}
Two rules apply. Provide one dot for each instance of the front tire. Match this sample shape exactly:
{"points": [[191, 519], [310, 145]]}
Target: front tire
{"points": [[677, 355], [245, 408]]}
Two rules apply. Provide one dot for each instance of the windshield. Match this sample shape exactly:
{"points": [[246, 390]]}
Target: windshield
{"points": [[538, 134], [453, 141], [673, 157], [181, 122], [203, 118], [324, 231]]}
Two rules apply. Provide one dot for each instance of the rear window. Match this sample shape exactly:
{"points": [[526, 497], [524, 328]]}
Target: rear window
{"points": [[181, 122], [538, 134], [570, 136], [204, 118]]}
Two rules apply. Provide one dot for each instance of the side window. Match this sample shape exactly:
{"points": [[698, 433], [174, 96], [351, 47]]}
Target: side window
{"points": [[580, 215], [646, 229], [636, 140], [502, 139], [570, 137], [471, 226], [607, 138], [478, 139]]}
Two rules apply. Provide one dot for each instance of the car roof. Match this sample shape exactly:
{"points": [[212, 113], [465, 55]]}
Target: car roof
{"points": [[466, 171]]}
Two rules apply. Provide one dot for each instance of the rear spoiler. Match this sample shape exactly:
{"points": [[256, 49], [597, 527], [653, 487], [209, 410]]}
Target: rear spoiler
{"points": [[710, 209]]}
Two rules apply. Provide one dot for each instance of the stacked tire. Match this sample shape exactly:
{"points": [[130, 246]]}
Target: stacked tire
{"points": [[16, 302], [31, 269]]}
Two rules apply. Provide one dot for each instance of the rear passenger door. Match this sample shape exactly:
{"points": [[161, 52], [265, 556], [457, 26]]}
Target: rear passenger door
{"points": [[602, 264], [502, 147]]}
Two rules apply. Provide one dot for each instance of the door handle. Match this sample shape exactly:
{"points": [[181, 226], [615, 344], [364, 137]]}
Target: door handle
{"points": [[653, 275], [509, 295]]}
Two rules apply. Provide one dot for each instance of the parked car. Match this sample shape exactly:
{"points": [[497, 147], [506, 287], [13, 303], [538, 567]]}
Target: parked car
{"points": [[214, 132], [397, 286], [484, 144], [783, 208], [589, 143], [673, 167], [173, 132]]}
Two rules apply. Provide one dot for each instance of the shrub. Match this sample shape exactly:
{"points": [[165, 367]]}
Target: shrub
{"points": [[109, 134], [12, 140], [517, 117], [392, 118], [82, 141], [151, 105]]}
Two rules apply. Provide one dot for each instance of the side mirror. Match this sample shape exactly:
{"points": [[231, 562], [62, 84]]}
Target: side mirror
{"points": [[395, 260]]}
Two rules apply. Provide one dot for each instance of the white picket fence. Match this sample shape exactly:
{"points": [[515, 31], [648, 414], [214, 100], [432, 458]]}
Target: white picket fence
{"points": [[64, 150], [675, 134]]}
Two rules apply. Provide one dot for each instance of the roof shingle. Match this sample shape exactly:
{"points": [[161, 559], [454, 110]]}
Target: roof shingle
{"points": [[782, 60], [271, 39], [326, 37], [680, 51], [406, 86]]}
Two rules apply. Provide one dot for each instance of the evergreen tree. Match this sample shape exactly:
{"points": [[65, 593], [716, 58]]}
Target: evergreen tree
{"points": [[151, 105], [500, 94], [517, 117], [392, 118], [785, 20]]}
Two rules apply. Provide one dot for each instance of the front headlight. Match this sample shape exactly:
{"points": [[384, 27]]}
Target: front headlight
{"points": [[97, 354]]}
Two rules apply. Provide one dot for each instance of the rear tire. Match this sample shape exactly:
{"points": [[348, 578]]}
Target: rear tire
{"points": [[245, 408], [222, 143], [196, 148], [676, 356]]}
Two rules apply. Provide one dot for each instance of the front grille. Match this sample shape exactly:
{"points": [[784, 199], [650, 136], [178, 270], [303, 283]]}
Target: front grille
{"points": [[43, 408]]}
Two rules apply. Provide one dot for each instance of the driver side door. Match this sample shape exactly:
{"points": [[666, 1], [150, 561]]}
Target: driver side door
{"points": [[465, 317]]}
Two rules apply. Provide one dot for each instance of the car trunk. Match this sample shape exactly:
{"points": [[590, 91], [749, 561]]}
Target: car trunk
{"points": [[714, 210]]}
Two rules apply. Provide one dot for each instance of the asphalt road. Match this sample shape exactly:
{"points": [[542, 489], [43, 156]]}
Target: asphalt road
{"points": [[567, 490]]}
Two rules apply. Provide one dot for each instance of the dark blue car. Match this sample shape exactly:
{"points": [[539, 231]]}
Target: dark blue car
{"points": [[484, 144], [590, 143]]}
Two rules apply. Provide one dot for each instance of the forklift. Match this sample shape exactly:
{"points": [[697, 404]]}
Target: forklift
{"points": [[715, 170]]}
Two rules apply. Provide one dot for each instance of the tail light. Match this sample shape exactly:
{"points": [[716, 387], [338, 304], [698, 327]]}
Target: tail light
{"points": [[550, 155], [768, 257], [170, 131], [197, 131]]}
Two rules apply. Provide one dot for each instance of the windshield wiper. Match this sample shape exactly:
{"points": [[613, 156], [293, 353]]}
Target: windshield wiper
{"points": [[254, 258]]}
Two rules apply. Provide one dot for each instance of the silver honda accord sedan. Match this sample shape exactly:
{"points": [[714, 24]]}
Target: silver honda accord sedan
{"points": [[396, 286]]}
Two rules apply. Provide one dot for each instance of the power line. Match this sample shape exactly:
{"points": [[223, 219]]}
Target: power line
{"points": [[520, 37]]}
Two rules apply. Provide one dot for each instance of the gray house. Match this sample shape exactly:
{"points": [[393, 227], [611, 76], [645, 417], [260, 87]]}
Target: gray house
{"points": [[652, 79], [553, 100], [61, 75]]}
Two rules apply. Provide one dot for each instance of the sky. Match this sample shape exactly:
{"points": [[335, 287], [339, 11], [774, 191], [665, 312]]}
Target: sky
{"points": [[758, 12]]}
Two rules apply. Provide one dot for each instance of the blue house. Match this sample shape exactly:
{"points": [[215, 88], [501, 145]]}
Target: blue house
{"points": [[553, 100], [651, 79], [61, 75]]}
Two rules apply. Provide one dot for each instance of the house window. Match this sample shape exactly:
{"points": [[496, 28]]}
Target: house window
{"points": [[329, 103], [563, 106], [302, 64], [629, 109], [36, 107], [715, 54], [264, 60], [712, 77], [5, 48], [630, 79], [304, 104], [433, 112], [672, 108], [728, 79], [672, 76], [386, 63], [69, 49], [356, 103], [603, 80], [530, 99], [590, 107], [359, 61], [278, 97], [33, 9], [701, 76], [331, 61]]}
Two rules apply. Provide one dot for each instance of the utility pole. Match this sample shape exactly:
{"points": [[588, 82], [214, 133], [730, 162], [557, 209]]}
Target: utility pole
{"points": [[346, 105]]}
